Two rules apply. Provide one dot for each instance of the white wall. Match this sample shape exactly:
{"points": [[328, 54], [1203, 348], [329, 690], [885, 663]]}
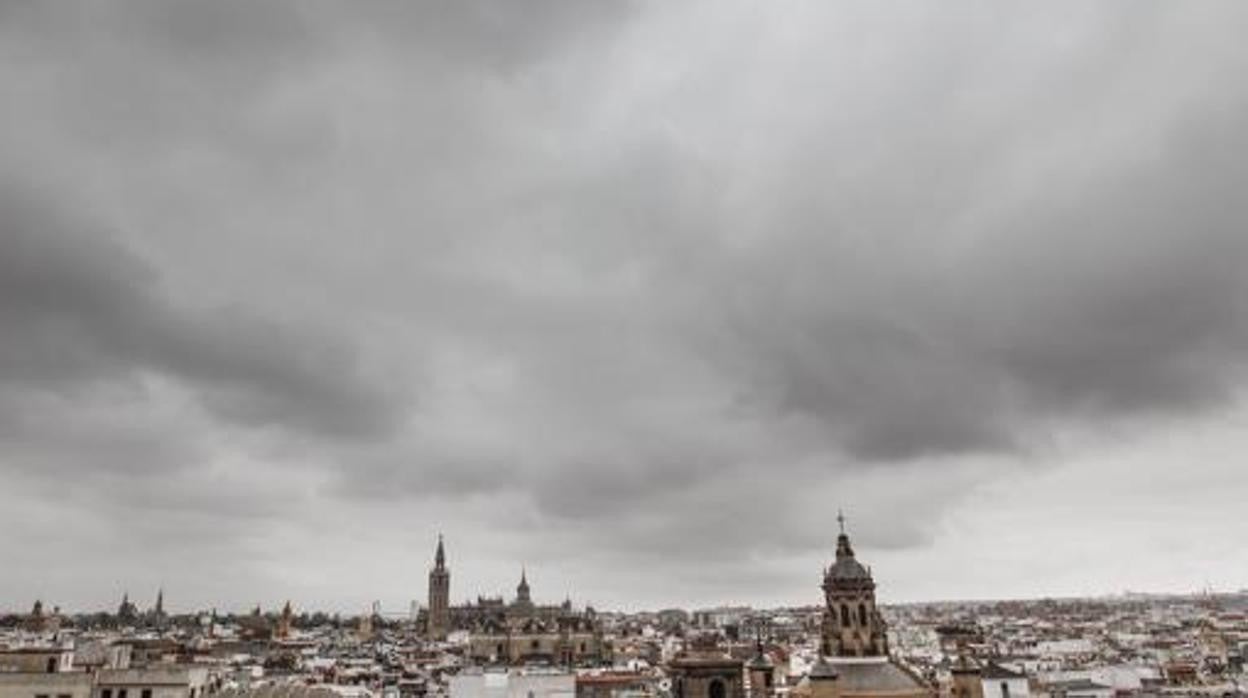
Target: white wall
{"points": [[993, 688]]}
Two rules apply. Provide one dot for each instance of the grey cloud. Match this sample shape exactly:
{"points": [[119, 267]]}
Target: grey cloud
{"points": [[670, 280], [1118, 299], [79, 309]]}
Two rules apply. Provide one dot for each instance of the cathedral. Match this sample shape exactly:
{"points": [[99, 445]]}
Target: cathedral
{"points": [[519, 632]]}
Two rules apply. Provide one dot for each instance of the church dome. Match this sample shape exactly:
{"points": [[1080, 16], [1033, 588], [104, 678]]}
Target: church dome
{"points": [[848, 568]]}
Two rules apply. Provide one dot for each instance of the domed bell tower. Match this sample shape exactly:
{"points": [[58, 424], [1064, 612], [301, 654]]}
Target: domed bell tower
{"points": [[852, 627]]}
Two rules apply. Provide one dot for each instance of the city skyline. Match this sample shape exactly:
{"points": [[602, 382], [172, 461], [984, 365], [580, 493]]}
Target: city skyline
{"points": [[637, 295], [470, 596]]}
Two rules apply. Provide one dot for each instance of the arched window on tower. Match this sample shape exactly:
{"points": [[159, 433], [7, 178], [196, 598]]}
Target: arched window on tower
{"points": [[716, 689], [862, 614], [845, 615]]}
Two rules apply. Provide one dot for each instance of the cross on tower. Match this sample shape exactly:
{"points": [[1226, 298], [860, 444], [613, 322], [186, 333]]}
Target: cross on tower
{"points": [[840, 519]]}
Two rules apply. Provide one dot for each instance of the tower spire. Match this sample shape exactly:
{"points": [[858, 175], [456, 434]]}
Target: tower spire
{"points": [[522, 590], [439, 558], [840, 519]]}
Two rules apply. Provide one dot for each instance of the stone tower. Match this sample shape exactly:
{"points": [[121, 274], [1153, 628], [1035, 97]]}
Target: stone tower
{"points": [[284, 622], [439, 595], [127, 612], [524, 600], [852, 627]]}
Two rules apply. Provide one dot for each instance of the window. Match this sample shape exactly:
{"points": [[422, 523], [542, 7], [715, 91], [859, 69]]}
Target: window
{"points": [[147, 693], [533, 644], [1005, 689], [121, 693], [51, 665], [106, 693], [41, 695], [862, 615], [64, 695], [844, 616], [716, 689]]}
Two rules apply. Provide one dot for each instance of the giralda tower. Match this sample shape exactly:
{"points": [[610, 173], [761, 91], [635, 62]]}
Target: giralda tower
{"points": [[439, 595]]}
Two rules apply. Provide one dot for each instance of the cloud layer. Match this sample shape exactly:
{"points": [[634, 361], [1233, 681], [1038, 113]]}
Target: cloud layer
{"points": [[602, 287]]}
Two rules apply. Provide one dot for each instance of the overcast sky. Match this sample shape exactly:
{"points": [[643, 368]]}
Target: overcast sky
{"points": [[634, 294]]}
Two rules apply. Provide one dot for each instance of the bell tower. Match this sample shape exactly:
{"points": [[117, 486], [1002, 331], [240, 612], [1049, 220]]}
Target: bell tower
{"points": [[852, 627], [439, 595]]}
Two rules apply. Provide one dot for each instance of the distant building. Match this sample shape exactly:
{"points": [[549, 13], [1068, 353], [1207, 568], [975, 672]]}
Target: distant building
{"points": [[127, 612], [516, 633], [525, 633], [148, 651], [29, 672], [174, 681], [285, 623], [1079, 688], [255, 627], [69, 684], [36, 660], [439, 621], [93, 655], [38, 621], [512, 684], [616, 685], [703, 670], [1002, 682]]}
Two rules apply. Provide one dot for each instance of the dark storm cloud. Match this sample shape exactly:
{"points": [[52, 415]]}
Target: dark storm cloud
{"points": [[1121, 298], [78, 310], [671, 280]]}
